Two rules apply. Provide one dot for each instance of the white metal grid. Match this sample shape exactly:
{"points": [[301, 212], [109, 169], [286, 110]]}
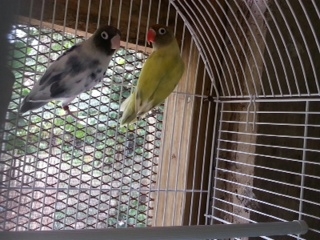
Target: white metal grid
{"points": [[45, 185], [58, 173], [270, 172], [262, 57], [243, 49]]}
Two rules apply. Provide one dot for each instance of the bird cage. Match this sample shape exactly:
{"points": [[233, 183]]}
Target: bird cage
{"points": [[238, 140]]}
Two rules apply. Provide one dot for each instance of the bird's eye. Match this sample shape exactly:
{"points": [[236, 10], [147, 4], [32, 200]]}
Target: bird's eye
{"points": [[162, 31], [104, 35]]}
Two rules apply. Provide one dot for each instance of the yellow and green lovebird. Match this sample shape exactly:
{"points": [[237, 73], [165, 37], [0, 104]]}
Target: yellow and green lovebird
{"points": [[159, 76]]}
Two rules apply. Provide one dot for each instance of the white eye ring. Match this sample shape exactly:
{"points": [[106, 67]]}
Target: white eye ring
{"points": [[162, 31], [104, 35]]}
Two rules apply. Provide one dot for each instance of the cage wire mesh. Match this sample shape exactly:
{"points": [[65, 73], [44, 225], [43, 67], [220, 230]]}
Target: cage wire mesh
{"points": [[238, 140], [88, 162]]}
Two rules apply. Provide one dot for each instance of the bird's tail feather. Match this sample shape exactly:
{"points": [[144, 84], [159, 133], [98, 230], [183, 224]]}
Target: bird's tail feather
{"points": [[125, 103], [129, 114], [28, 106], [128, 119]]}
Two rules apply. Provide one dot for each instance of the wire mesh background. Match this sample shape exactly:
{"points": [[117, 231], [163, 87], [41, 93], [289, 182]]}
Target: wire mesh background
{"points": [[61, 170], [238, 141]]}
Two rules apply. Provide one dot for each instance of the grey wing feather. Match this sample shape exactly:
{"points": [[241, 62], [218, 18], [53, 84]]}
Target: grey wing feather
{"points": [[55, 74], [65, 78]]}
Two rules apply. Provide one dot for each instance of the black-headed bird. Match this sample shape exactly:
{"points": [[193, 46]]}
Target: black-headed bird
{"points": [[77, 70], [159, 76]]}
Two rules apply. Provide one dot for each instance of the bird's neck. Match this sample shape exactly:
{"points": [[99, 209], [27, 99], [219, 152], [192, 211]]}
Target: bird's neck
{"points": [[173, 46]]}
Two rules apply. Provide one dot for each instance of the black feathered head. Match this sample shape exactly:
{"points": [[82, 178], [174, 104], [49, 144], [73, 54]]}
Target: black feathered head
{"points": [[107, 39]]}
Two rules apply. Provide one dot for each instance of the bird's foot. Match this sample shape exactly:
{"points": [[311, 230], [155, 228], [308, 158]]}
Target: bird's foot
{"points": [[66, 108]]}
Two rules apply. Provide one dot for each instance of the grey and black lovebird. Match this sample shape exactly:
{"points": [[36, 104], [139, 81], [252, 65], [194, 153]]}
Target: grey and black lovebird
{"points": [[77, 70]]}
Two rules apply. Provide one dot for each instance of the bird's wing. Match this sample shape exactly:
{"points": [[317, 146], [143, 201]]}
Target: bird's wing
{"points": [[54, 75], [160, 75], [71, 74]]}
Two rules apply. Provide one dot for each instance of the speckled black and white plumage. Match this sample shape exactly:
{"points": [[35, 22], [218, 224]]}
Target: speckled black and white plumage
{"points": [[77, 70]]}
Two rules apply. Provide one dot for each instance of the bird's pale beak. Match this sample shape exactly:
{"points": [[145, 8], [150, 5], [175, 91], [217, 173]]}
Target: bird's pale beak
{"points": [[115, 42], [151, 36]]}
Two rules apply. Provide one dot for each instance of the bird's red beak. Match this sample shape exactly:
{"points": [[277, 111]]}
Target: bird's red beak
{"points": [[151, 36]]}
